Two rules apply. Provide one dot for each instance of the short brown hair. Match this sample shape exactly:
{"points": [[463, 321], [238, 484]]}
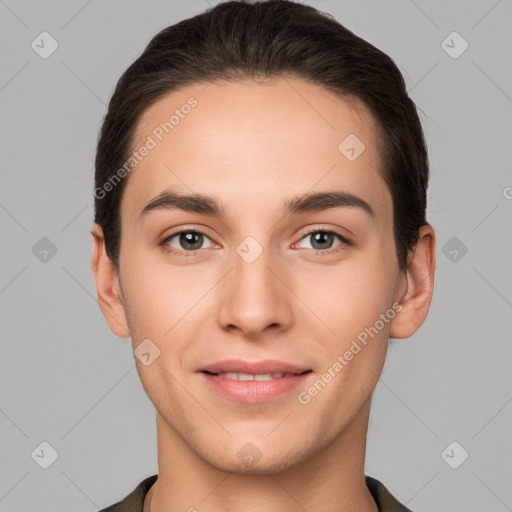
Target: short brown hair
{"points": [[263, 39]]}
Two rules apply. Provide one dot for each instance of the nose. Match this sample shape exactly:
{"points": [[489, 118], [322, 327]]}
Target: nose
{"points": [[255, 298]]}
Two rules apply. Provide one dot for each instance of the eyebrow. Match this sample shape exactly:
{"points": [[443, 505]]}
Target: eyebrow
{"points": [[208, 205]]}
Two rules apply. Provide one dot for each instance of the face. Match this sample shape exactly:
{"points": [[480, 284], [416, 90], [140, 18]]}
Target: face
{"points": [[259, 271]]}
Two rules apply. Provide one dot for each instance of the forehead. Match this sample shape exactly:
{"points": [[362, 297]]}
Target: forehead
{"points": [[243, 140]]}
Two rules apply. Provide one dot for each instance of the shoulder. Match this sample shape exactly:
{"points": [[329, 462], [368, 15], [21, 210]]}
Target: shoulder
{"points": [[384, 499], [134, 501]]}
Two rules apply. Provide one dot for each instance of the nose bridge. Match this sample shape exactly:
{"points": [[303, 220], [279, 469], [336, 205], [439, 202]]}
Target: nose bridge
{"points": [[254, 298]]}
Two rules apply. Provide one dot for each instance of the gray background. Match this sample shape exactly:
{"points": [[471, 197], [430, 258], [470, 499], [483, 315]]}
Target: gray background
{"points": [[67, 380]]}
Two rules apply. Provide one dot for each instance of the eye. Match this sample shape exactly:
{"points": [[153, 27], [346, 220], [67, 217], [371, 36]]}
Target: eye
{"points": [[322, 240], [185, 241]]}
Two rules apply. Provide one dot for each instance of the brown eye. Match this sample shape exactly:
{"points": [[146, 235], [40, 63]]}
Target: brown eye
{"points": [[191, 240], [324, 240], [321, 240], [185, 241]]}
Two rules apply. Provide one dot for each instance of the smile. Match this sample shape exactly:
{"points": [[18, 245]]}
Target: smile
{"points": [[252, 376]]}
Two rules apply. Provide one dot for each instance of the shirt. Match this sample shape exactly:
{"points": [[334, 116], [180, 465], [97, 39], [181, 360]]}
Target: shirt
{"points": [[134, 502]]}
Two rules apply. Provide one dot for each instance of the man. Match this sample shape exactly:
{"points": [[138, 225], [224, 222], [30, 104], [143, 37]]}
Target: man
{"points": [[234, 148]]}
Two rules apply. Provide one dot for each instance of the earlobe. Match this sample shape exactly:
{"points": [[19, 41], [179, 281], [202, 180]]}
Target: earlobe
{"points": [[109, 294], [416, 299]]}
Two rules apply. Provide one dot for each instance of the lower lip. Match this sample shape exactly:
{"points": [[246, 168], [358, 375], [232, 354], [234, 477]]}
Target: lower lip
{"points": [[254, 391]]}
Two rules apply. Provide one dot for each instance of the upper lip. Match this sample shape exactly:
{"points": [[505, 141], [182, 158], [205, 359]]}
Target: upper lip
{"points": [[258, 367]]}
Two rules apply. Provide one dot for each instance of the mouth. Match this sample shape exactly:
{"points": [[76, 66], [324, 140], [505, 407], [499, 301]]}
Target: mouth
{"points": [[256, 382], [254, 376]]}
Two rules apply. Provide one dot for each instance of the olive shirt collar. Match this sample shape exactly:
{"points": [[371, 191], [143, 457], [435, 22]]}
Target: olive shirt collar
{"points": [[134, 502]]}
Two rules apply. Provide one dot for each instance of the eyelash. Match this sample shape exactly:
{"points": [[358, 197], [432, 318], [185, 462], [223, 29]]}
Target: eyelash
{"points": [[345, 242]]}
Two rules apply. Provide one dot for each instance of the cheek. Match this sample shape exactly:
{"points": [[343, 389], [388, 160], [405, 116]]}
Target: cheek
{"points": [[350, 297], [163, 298]]}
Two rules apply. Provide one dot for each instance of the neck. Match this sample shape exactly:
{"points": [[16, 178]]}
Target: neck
{"points": [[332, 480]]}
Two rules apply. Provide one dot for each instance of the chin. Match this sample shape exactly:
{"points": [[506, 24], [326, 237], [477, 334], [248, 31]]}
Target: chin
{"points": [[242, 463]]}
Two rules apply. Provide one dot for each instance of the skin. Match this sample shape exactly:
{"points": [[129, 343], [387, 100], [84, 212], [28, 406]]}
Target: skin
{"points": [[253, 146]]}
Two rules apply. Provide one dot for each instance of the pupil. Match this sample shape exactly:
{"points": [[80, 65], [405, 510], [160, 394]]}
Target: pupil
{"points": [[321, 237], [187, 240]]}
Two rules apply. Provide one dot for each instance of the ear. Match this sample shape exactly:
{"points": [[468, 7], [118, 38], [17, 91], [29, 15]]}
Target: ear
{"points": [[416, 294], [107, 286]]}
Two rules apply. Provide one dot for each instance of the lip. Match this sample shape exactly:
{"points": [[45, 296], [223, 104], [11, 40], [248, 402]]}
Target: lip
{"points": [[254, 391], [240, 366]]}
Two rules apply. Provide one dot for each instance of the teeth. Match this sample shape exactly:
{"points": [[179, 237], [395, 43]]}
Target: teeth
{"points": [[243, 376], [251, 376], [267, 376]]}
